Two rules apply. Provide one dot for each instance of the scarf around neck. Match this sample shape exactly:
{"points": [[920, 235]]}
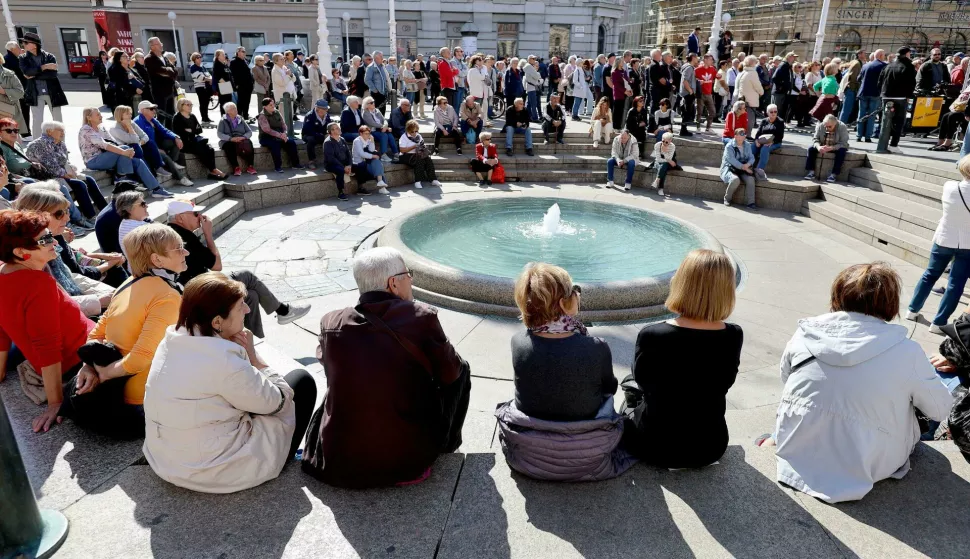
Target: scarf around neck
{"points": [[561, 325]]}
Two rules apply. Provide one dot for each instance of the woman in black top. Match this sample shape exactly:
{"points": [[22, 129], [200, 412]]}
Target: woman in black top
{"points": [[187, 126], [434, 80], [221, 73], [638, 123], [140, 72], [685, 367], [636, 80], [767, 139], [122, 81], [561, 373]]}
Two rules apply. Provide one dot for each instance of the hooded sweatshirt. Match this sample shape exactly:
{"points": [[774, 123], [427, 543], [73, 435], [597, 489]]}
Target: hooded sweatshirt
{"points": [[846, 418]]}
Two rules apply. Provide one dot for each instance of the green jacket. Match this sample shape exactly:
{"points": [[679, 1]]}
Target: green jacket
{"points": [[828, 85], [16, 159]]}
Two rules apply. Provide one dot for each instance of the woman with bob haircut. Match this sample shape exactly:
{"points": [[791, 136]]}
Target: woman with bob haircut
{"points": [[847, 416], [221, 419], [675, 401]]}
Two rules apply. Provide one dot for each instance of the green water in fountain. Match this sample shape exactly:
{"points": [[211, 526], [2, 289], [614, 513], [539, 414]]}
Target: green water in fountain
{"points": [[595, 241]]}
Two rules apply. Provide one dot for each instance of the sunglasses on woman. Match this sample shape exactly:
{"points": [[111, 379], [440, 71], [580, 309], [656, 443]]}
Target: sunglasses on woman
{"points": [[45, 239], [11, 130]]}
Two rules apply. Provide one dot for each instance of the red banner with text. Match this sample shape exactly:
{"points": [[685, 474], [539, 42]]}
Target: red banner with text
{"points": [[114, 30]]}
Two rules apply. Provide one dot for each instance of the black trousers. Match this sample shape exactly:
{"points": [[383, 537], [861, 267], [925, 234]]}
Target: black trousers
{"points": [[454, 408], [304, 399], [245, 95], [25, 109], [236, 150], [690, 106], [455, 136], [951, 123], [223, 99], [899, 122], [548, 128], [103, 410], [380, 100], [203, 151], [205, 95]]}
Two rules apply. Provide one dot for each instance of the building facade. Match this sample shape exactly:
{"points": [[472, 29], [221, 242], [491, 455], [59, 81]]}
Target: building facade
{"points": [[783, 25], [506, 27]]}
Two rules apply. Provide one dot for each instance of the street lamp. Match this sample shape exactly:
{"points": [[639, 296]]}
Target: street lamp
{"points": [[346, 18], [175, 39], [11, 30], [393, 24], [820, 34], [323, 49]]}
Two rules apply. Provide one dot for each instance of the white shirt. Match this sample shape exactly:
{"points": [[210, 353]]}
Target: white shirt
{"points": [[127, 226], [953, 230], [406, 142]]}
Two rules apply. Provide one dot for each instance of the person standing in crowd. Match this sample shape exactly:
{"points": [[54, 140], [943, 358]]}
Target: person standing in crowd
{"points": [[897, 83], [722, 93], [296, 70], [830, 136], [42, 87], [12, 92], [513, 83], [932, 73], [533, 87], [447, 76], [620, 89], [164, 78], [782, 82], [393, 345], [688, 92], [221, 73], [694, 42], [262, 81], [580, 88], [242, 82], [554, 75], [749, 90], [461, 78], [101, 72], [705, 76], [11, 61], [764, 77], [725, 44], [284, 80], [851, 89], [420, 70], [202, 81], [318, 80], [377, 81], [138, 68], [661, 79], [598, 78], [234, 139], [869, 95], [272, 134]]}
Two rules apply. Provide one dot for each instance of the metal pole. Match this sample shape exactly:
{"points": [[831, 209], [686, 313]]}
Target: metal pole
{"points": [[715, 29], [11, 29], [323, 49], [347, 41], [288, 115], [392, 23], [25, 530], [820, 35], [178, 50]]}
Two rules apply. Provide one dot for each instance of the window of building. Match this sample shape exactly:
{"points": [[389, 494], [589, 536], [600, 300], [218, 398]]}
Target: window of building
{"points": [[559, 41], [407, 40], [203, 38], [919, 42], [250, 40], [508, 40], [75, 41], [298, 38], [848, 42], [170, 42], [453, 34], [957, 42], [601, 39], [22, 29]]}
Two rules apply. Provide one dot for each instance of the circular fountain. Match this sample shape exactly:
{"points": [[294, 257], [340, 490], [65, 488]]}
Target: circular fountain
{"points": [[466, 254]]}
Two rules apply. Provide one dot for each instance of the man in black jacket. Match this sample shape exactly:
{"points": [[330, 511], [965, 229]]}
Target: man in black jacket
{"points": [[661, 80], [42, 86], [555, 74], [932, 73], [11, 61], [898, 82], [782, 82], [554, 120], [163, 78], [242, 78], [101, 72]]}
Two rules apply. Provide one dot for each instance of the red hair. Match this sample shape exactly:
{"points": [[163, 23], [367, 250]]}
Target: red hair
{"points": [[18, 229], [7, 121]]}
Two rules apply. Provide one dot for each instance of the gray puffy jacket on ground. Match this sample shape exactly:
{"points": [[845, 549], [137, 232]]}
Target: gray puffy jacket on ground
{"points": [[585, 450]]}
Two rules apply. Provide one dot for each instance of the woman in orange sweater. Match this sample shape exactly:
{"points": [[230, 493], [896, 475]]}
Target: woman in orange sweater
{"points": [[134, 323], [737, 118]]}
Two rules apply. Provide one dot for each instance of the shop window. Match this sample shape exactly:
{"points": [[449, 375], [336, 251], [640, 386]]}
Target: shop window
{"points": [[75, 41]]}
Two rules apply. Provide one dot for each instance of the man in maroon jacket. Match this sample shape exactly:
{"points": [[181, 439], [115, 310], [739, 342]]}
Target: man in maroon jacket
{"points": [[397, 391]]}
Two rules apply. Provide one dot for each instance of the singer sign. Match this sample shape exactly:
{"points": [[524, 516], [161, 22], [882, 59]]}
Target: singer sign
{"points": [[114, 30]]}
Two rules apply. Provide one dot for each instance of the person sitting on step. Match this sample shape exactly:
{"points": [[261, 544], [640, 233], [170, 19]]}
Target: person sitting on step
{"points": [[164, 147], [767, 139], [830, 136], [272, 134], [446, 124], [351, 119], [367, 161], [471, 117], [235, 140], [315, 130], [623, 154], [664, 155], [386, 354], [415, 154], [517, 121], [553, 120], [222, 420], [853, 382], [400, 116], [185, 218], [338, 160], [486, 159], [380, 130], [737, 164]]}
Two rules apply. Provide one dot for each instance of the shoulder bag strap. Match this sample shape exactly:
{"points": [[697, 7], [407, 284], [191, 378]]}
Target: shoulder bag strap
{"points": [[127, 285], [960, 192], [407, 344]]}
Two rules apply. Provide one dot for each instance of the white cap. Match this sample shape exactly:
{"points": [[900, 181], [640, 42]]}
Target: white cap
{"points": [[146, 105], [176, 207]]}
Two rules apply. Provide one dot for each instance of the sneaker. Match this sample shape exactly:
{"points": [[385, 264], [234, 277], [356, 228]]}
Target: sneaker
{"points": [[296, 312], [364, 192], [237, 172], [596, 144], [251, 170], [279, 169], [312, 166], [810, 176], [655, 184], [727, 203], [508, 152], [381, 183], [934, 329], [761, 174], [163, 172], [660, 191], [383, 191], [910, 315], [184, 181], [435, 183], [894, 149], [609, 184], [752, 206], [830, 178], [342, 196], [458, 151], [385, 158], [545, 142], [162, 193], [627, 186], [178, 167], [530, 153], [418, 185]]}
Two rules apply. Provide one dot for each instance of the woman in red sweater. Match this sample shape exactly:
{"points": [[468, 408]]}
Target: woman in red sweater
{"points": [[486, 159], [737, 118], [40, 318]]}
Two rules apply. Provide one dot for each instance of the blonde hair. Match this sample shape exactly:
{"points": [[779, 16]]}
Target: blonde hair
{"points": [[539, 290], [182, 102], [87, 113], [120, 111], [831, 69], [41, 197], [964, 167], [144, 241], [411, 125], [703, 286]]}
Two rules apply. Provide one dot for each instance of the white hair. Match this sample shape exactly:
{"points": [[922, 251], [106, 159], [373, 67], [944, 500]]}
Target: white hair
{"points": [[372, 268], [654, 52], [523, 64], [227, 105], [403, 101], [12, 45], [152, 40], [50, 125], [367, 100], [750, 61], [667, 137], [353, 99], [170, 55], [485, 136], [355, 59], [830, 118], [771, 107]]}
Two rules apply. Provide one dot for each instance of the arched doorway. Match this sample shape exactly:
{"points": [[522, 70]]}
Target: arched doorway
{"points": [[848, 42], [957, 42], [601, 39]]}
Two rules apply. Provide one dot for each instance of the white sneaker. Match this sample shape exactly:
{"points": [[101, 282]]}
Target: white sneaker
{"points": [[596, 144], [385, 158], [893, 149], [381, 183], [418, 185], [296, 312], [627, 186], [383, 190], [178, 167], [184, 181], [655, 183], [660, 191], [726, 203], [162, 171], [910, 315], [609, 184], [435, 183], [934, 329]]}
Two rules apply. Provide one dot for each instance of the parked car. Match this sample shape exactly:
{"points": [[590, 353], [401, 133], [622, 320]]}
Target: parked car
{"points": [[81, 66], [209, 53]]}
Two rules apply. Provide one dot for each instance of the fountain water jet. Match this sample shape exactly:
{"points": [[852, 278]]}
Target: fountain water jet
{"points": [[550, 221]]}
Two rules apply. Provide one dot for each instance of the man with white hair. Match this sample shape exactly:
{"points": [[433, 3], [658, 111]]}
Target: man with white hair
{"points": [[376, 80], [830, 136], [163, 78], [397, 390]]}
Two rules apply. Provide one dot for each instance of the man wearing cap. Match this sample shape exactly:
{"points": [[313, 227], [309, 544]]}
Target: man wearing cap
{"points": [[852, 87], [163, 77], [315, 130], [868, 95], [164, 147], [42, 86], [184, 218], [897, 82]]}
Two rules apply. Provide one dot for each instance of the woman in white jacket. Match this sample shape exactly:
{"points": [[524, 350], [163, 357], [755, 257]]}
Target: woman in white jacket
{"points": [[852, 382], [748, 88], [283, 79], [218, 418]]}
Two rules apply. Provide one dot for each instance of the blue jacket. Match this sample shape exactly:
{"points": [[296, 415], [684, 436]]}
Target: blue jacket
{"points": [[374, 80], [313, 127], [693, 44], [869, 78], [513, 84], [735, 157], [152, 128], [398, 120], [349, 124], [598, 75]]}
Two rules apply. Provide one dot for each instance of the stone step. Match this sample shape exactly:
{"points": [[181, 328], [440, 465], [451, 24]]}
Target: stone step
{"points": [[908, 247], [921, 169], [912, 190], [903, 214]]}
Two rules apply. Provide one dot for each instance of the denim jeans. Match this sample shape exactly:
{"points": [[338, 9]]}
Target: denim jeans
{"points": [[761, 154], [847, 105], [72, 209], [577, 104], [611, 164], [5, 194], [465, 127], [867, 104], [386, 141], [965, 150], [88, 195], [813, 154], [959, 272], [460, 95], [532, 104], [276, 147], [107, 161], [950, 380], [511, 132]]}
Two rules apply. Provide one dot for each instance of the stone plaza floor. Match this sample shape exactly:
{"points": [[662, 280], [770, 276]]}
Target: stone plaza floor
{"points": [[473, 506]]}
